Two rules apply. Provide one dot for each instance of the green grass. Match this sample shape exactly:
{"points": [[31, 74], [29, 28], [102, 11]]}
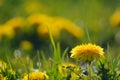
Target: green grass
{"points": [[49, 53]]}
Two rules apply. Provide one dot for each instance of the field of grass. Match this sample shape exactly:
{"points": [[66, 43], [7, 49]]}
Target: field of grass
{"points": [[59, 40]]}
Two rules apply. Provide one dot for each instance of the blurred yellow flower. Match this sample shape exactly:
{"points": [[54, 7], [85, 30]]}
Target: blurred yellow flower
{"points": [[68, 26], [3, 65], [38, 19], [16, 23], [1, 34], [64, 70], [87, 52], [6, 30], [2, 78], [35, 76], [11, 71], [115, 18], [43, 30], [55, 25], [26, 45]]}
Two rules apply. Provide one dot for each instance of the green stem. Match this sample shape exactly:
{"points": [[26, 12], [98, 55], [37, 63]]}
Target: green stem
{"points": [[87, 32], [89, 71]]}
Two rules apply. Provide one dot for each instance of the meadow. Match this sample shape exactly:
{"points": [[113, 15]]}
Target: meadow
{"points": [[59, 40]]}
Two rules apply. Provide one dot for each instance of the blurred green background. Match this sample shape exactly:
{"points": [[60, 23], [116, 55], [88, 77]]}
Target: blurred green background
{"points": [[99, 20]]}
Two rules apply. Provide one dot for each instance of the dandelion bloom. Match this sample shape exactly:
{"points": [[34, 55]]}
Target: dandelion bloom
{"points": [[6, 30], [3, 65], [16, 23], [115, 18], [87, 52], [38, 19], [2, 78], [11, 71], [43, 30], [68, 26], [26, 45], [35, 76], [66, 69]]}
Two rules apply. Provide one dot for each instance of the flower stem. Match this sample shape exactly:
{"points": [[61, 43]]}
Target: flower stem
{"points": [[89, 71]]}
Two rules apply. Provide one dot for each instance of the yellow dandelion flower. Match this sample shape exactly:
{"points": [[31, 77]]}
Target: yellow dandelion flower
{"points": [[55, 24], [26, 45], [87, 52], [69, 26], [3, 65], [43, 30], [64, 70], [74, 30], [35, 76], [38, 19], [1, 33], [11, 71], [2, 78], [6, 30], [115, 18], [16, 23]]}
